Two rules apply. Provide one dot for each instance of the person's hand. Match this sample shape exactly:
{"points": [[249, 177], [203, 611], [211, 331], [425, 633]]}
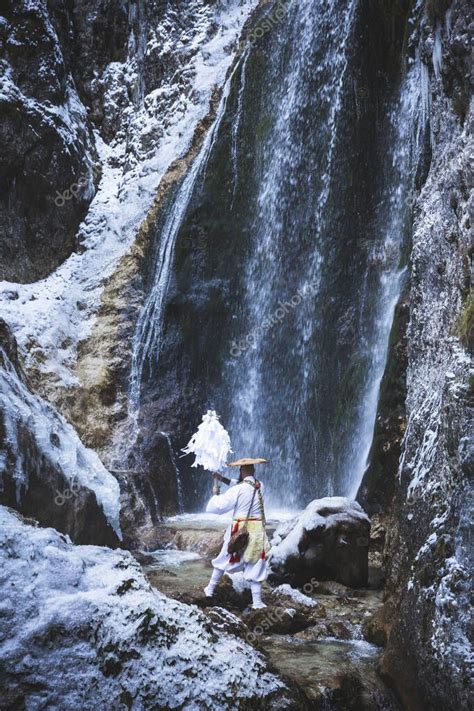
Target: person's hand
{"points": [[216, 489]]}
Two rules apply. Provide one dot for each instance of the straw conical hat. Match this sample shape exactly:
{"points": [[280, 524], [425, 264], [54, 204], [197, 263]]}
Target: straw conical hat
{"points": [[247, 460]]}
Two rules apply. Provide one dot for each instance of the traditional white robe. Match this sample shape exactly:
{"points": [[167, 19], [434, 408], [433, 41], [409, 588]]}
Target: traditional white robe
{"points": [[238, 497]]}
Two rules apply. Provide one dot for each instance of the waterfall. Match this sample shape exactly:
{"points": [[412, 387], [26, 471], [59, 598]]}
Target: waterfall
{"points": [[146, 341], [236, 126], [312, 267], [280, 368], [179, 486], [318, 43]]}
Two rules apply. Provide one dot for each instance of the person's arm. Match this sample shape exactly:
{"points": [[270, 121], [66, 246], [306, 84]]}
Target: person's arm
{"points": [[222, 503], [224, 479]]}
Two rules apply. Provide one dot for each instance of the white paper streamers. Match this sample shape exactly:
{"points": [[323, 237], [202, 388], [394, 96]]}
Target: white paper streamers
{"points": [[210, 444]]}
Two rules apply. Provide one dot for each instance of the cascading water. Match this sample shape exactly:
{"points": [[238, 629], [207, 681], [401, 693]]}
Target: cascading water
{"points": [[305, 217], [294, 189], [281, 372], [146, 342]]}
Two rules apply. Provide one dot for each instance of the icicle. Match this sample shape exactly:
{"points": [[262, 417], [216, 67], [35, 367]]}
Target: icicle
{"points": [[437, 55]]}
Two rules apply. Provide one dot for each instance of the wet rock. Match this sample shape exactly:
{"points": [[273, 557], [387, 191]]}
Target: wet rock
{"points": [[323, 630], [378, 484], [225, 596], [330, 587], [328, 541], [376, 628], [276, 619], [206, 543], [334, 674], [148, 494]]}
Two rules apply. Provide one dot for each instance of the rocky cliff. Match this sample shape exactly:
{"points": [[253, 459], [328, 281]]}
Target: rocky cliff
{"points": [[144, 81], [428, 554], [105, 108]]}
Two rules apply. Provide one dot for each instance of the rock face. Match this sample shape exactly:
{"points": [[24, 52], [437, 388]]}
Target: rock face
{"points": [[328, 541], [428, 553], [45, 470], [129, 645], [45, 142]]}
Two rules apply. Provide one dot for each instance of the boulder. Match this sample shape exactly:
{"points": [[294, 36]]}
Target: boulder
{"points": [[225, 596], [328, 541], [280, 619], [130, 646]]}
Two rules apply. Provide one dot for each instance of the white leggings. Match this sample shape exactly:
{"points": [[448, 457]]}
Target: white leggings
{"points": [[256, 588]]}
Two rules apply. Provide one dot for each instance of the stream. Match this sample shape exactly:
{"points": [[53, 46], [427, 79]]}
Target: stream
{"points": [[329, 661]]}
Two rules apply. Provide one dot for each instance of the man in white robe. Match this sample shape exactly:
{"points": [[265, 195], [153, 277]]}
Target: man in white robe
{"points": [[247, 515]]}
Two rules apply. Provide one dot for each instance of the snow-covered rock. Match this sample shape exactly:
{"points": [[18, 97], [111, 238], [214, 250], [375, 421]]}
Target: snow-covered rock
{"points": [[45, 470], [327, 541], [83, 629], [294, 594]]}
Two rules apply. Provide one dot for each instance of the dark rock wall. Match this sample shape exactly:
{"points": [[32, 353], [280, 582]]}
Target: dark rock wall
{"points": [[428, 555], [46, 180]]}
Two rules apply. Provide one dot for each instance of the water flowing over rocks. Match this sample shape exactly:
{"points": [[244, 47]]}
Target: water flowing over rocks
{"points": [[313, 635]]}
